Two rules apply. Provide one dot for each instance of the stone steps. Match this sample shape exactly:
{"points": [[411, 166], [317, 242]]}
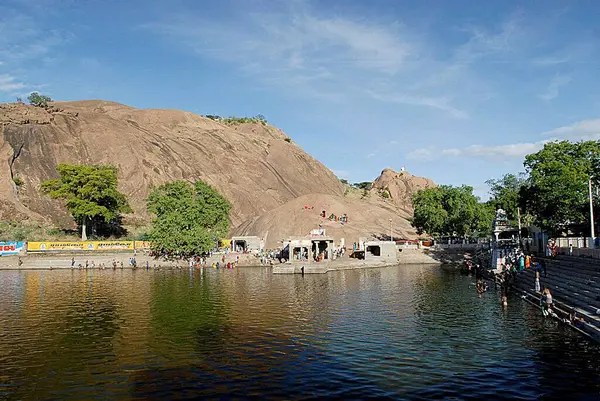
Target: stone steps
{"points": [[583, 264], [591, 325], [585, 283], [573, 286]]}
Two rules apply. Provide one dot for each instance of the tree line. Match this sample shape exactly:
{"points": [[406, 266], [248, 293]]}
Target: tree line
{"points": [[189, 218], [552, 193]]}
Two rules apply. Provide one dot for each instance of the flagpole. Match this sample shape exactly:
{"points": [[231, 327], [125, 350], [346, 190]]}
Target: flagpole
{"points": [[593, 235]]}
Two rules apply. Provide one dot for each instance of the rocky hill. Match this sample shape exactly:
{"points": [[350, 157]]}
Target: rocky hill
{"points": [[267, 177], [400, 186]]}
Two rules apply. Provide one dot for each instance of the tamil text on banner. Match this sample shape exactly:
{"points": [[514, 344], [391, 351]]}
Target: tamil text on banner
{"points": [[64, 246], [10, 247]]}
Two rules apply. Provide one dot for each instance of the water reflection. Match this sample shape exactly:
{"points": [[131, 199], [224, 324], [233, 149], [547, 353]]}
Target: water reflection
{"points": [[404, 332]]}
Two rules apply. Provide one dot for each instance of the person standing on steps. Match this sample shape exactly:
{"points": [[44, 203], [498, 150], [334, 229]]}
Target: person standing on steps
{"points": [[537, 281], [72, 262], [546, 302]]}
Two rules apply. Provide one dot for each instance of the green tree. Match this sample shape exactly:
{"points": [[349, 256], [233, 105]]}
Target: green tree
{"points": [[366, 185], [506, 192], [429, 214], [484, 217], [448, 210], [35, 99], [557, 194], [189, 218], [90, 194]]}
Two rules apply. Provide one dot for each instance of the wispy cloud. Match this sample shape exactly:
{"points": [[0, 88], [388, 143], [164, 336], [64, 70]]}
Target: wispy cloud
{"points": [[550, 60], [422, 154], [22, 37], [485, 42], [324, 57], [554, 86], [22, 40], [9, 83], [295, 41], [510, 151], [583, 130], [440, 103]]}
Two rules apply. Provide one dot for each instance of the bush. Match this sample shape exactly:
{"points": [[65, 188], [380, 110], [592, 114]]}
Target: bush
{"points": [[18, 181], [366, 185], [238, 120], [385, 194], [288, 140], [35, 99], [343, 181]]}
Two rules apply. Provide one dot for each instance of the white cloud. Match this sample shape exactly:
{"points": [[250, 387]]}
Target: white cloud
{"points": [[439, 103], [582, 130], [516, 150], [8, 83], [555, 84], [330, 58], [422, 154], [293, 41], [550, 60], [484, 43], [23, 40]]}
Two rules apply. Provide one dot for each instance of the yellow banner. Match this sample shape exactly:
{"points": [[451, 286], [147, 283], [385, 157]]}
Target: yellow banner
{"points": [[225, 243], [79, 246], [142, 245]]}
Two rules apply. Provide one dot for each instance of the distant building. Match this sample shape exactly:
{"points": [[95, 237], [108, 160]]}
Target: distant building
{"points": [[316, 246], [248, 243], [381, 250]]}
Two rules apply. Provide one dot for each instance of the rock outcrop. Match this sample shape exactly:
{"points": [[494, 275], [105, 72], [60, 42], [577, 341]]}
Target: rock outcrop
{"points": [[400, 186], [266, 177]]}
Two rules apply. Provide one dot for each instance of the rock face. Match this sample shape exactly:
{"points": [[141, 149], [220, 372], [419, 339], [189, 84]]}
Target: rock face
{"points": [[400, 186], [250, 164], [369, 213], [266, 177]]}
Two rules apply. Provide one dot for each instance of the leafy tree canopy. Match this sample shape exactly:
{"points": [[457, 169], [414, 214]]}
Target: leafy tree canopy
{"points": [[506, 193], [35, 99], [366, 185], [448, 210], [189, 218], [558, 175], [90, 193]]}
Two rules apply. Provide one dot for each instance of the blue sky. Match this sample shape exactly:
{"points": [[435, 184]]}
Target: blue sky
{"points": [[458, 91]]}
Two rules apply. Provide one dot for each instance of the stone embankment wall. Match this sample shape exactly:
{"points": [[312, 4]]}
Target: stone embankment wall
{"points": [[63, 260], [574, 283]]}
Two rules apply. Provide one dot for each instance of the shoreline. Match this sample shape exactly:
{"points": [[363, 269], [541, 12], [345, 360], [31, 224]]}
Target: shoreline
{"points": [[64, 260]]}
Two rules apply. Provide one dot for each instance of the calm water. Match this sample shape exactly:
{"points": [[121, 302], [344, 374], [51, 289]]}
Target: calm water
{"points": [[394, 333]]}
